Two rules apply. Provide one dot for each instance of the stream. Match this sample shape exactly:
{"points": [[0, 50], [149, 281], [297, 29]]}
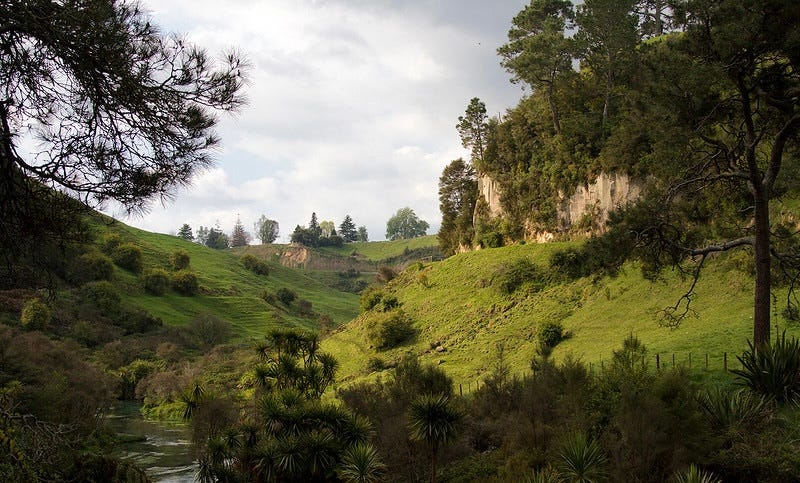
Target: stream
{"points": [[160, 448]]}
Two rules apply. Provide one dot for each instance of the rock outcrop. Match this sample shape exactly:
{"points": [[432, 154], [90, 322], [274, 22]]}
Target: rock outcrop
{"points": [[586, 209]]}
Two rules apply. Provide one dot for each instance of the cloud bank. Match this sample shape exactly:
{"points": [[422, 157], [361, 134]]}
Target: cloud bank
{"points": [[352, 106]]}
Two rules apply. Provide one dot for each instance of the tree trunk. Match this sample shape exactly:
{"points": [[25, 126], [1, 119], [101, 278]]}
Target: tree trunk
{"points": [[553, 109], [761, 246]]}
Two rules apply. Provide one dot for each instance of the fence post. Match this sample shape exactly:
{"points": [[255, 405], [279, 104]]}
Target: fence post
{"points": [[658, 362], [673, 360], [725, 361], [460, 390]]}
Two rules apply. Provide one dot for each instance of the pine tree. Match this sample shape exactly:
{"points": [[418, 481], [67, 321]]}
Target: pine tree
{"points": [[185, 232], [239, 237], [347, 230]]}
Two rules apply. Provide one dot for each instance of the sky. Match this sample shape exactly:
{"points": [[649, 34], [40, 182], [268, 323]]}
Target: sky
{"points": [[352, 107]]}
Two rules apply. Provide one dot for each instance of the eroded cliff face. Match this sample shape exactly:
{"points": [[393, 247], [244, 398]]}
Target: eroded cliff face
{"points": [[490, 190], [590, 204], [586, 209]]}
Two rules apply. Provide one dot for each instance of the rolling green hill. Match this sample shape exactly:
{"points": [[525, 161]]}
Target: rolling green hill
{"points": [[457, 304], [227, 289]]}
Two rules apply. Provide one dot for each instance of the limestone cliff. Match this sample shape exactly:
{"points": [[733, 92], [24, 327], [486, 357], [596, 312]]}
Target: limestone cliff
{"points": [[586, 209]]}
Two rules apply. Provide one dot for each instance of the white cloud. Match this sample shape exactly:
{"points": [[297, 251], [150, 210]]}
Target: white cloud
{"points": [[352, 106]]}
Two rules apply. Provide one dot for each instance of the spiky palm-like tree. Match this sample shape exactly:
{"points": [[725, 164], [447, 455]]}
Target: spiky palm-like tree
{"points": [[434, 420], [695, 475], [361, 464], [582, 461]]}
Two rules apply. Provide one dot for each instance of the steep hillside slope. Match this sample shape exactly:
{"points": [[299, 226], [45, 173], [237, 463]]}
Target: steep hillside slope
{"points": [[227, 288], [457, 305]]}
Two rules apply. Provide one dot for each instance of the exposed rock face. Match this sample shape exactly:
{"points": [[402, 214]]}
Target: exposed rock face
{"points": [[586, 209], [490, 190], [595, 200]]}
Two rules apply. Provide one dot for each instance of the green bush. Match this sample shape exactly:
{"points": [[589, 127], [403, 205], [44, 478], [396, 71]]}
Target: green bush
{"points": [[511, 277], [94, 266], [386, 330], [128, 256], [550, 334], [130, 376], [286, 295], [371, 297], [179, 260], [491, 239], [269, 297], [155, 281], [772, 370], [209, 330], [185, 282], [35, 315], [111, 242], [305, 307], [376, 364], [259, 267], [103, 296], [570, 263]]}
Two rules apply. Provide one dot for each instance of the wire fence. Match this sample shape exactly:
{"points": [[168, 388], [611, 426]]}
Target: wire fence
{"points": [[695, 362]]}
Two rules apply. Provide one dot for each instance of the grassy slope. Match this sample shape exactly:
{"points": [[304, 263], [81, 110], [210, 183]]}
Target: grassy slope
{"points": [[460, 307], [381, 250], [228, 289]]}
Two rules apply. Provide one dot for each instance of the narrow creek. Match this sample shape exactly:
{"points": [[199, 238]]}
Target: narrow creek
{"points": [[161, 448]]}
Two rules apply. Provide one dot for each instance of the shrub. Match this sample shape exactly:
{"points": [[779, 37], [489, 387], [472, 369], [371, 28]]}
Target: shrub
{"points": [[155, 281], [35, 315], [491, 239], [385, 274], [370, 298], [111, 242], [512, 277], [376, 364], [255, 265], [305, 307], [130, 375], [269, 297], [389, 329], [772, 369], [726, 408], [550, 334], [95, 266], [128, 256], [179, 260], [209, 330], [138, 321], [285, 295], [185, 282], [571, 263], [103, 296]]}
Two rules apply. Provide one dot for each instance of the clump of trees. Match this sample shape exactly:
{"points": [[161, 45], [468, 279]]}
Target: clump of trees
{"points": [[324, 234], [405, 224]]}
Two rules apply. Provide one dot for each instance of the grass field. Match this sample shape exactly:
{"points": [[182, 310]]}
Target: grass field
{"points": [[456, 304], [227, 289], [381, 250]]}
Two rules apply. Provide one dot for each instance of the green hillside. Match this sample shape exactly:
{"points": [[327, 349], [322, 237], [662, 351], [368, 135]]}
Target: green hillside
{"points": [[457, 304], [383, 250], [227, 288]]}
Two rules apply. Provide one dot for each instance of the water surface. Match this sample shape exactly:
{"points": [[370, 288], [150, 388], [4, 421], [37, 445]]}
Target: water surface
{"points": [[160, 448]]}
